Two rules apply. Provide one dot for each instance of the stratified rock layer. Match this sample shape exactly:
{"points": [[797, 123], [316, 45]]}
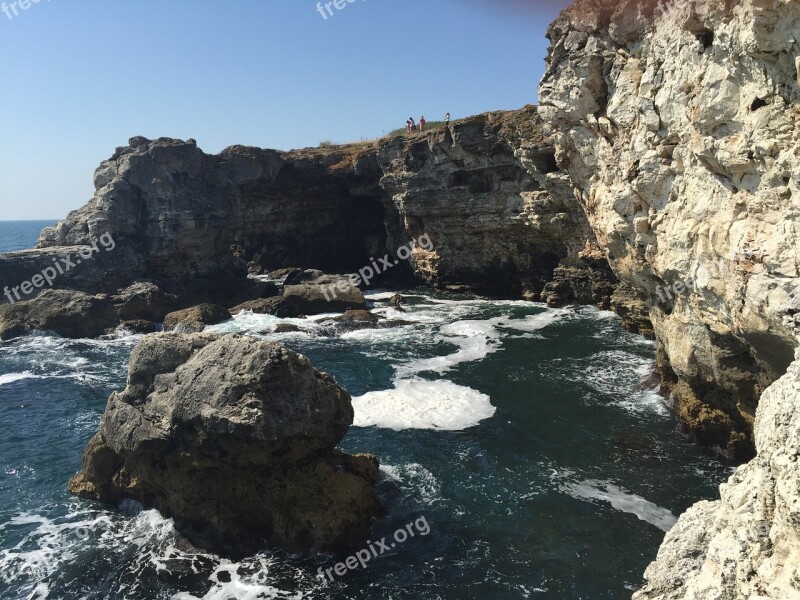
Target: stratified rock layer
{"points": [[678, 127], [235, 439]]}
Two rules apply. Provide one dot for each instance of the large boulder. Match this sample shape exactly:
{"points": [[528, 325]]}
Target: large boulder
{"points": [[64, 312], [325, 294], [195, 319], [234, 438], [144, 301]]}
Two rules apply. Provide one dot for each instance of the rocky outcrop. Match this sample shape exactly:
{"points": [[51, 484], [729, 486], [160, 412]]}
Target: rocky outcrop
{"points": [[488, 193], [747, 544], [325, 294], [66, 313], [234, 438], [678, 126], [195, 319]]}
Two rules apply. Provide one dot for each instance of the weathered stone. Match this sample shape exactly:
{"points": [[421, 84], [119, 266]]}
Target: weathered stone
{"points": [[195, 319], [234, 438], [66, 313], [325, 294], [143, 301], [278, 306], [689, 185]]}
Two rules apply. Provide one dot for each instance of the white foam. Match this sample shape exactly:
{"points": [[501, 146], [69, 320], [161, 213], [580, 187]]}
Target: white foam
{"points": [[622, 501], [420, 404], [12, 377], [535, 322]]}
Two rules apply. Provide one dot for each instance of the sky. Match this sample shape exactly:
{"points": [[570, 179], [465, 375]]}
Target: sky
{"points": [[79, 78]]}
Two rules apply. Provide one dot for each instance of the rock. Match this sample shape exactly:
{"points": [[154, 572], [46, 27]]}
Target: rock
{"points": [[143, 301], [286, 274], [233, 438], [139, 326], [396, 302], [325, 294], [357, 316], [286, 328], [66, 313], [688, 181], [747, 544], [261, 290], [279, 307], [294, 277], [195, 319]]}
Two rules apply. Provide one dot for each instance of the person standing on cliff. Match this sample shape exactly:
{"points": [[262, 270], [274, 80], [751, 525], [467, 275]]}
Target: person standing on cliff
{"points": [[408, 126], [447, 120], [413, 124], [422, 123]]}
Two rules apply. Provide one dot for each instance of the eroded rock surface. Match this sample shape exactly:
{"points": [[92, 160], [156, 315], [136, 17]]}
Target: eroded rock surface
{"points": [[747, 544], [235, 439], [678, 127]]}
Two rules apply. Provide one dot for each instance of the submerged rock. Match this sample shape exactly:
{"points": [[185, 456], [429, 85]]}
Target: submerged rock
{"points": [[64, 312], [234, 438]]}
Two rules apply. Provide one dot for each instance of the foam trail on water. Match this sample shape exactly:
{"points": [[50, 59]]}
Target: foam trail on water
{"points": [[623, 501]]}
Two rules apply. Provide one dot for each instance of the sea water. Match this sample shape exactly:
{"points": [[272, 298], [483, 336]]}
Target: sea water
{"points": [[527, 437]]}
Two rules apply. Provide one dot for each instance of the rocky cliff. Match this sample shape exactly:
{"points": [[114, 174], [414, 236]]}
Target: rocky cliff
{"points": [[677, 123], [678, 126], [486, 191]]}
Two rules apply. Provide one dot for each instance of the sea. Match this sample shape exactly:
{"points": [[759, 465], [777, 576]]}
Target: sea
{"points": [[530, 440]]}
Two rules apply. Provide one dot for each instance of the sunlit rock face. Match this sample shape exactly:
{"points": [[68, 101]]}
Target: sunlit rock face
{"points": [[677, 124]]}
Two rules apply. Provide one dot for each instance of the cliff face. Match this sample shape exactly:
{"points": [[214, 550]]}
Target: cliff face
{"points": [[188, 219], [678, 127], [487, 192], [747, 544]]}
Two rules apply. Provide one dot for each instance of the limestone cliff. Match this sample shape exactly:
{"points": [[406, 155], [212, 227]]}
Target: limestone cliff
{"points": [[501, 216], [678, 126]]}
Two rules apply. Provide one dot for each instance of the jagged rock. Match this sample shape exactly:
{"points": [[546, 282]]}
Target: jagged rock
{"points": [[286, 328], [684, 161], [261, 290], [357, 316], [143, 301], [234, 438], [489, 195], [747, 544], [286, 274], [278, 306], [397, 301], [66, 313], [324, 294], [195, 319], [140, 326]]}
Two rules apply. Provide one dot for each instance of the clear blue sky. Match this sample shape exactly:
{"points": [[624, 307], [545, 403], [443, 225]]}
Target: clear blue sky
{"points": [[78, 79]]}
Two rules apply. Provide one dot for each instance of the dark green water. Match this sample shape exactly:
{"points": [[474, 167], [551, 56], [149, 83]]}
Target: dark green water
{"points": [[521, 435]]}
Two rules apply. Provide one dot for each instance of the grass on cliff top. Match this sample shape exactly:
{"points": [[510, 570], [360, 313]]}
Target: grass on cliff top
{"points": [[429, 126]]}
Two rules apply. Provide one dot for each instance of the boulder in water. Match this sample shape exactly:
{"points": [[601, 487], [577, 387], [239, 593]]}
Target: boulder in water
{"points": [[234, 438]]}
